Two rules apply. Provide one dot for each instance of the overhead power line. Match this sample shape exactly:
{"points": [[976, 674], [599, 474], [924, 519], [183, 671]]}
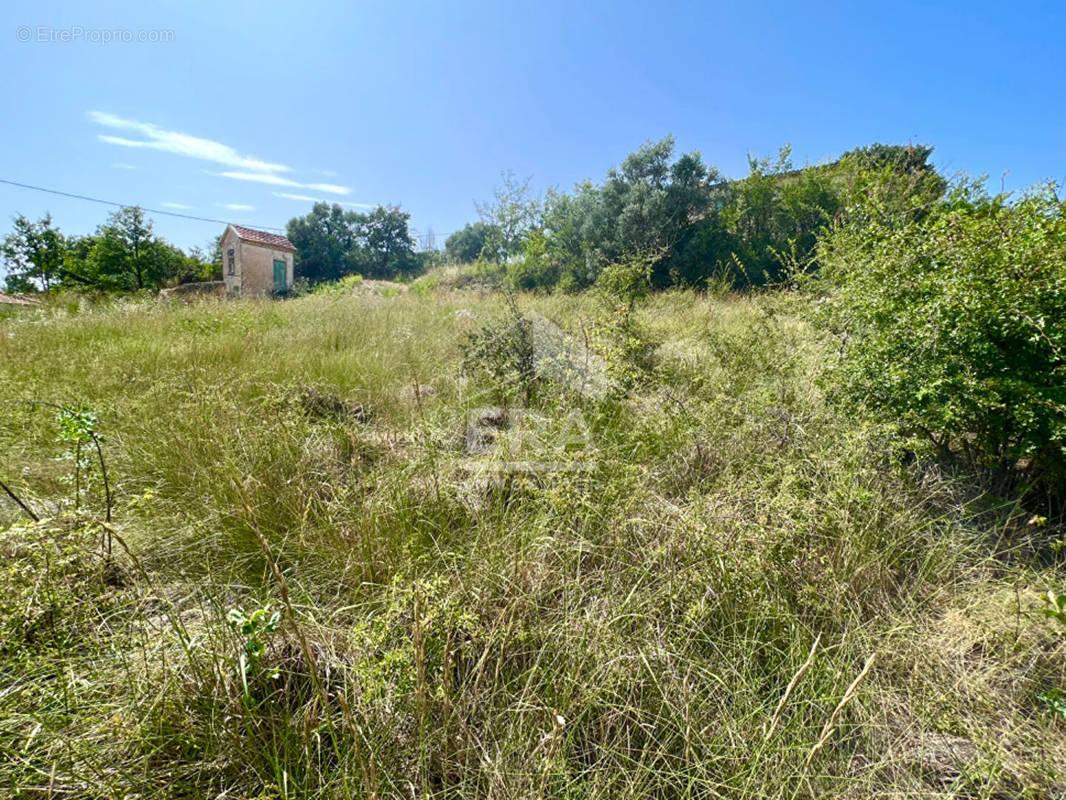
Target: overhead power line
{"points": [[175, 213], [125, 205]]}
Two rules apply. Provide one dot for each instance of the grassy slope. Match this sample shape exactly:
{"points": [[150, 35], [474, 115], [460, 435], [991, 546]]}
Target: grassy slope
{"points": [[624, 632]]}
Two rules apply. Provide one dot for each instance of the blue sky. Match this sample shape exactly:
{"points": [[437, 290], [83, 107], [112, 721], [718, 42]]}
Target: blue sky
{"points": [[249, 108]]}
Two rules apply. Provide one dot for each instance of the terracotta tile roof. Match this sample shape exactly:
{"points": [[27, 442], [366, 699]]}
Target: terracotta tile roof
{"points": [[262, 237]]}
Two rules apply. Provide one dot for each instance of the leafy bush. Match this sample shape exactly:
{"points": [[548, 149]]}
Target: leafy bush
{"points": [[762, 223], [465, 246], [339, 287], [504, 350], [954, 321], [536, 269]]}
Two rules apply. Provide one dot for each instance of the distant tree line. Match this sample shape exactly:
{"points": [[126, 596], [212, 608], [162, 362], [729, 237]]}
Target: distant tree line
{"points": [[332, 243], [694, 226], [123, 255]]}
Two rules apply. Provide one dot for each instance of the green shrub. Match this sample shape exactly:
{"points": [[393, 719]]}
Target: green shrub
{"points": [[505, 350], [955, 322], [339, 287], [536, 269]]}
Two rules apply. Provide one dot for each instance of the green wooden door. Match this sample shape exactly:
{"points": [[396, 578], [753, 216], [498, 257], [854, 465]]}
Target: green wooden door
{"points": [[279, 276]]}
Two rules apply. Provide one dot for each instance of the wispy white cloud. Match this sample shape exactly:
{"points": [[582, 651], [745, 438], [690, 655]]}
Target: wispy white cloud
{"points": [[278, 180], [180, 206], [241, 167], [332, 188], [182, 144], [259, 177], [236, 206], [121, 165], [306, 198], [328, 173]]}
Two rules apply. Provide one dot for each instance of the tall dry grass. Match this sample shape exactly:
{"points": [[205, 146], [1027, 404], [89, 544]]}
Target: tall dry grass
{"points": [[642, 628]]}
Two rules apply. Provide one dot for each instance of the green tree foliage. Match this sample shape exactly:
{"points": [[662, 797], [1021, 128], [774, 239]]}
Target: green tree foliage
{"points": [[331, 243], [207, 261], [513, 212], [127, 255], [33, 255], [768, 222], [324, 241], [124, 254], [953, 320], [466, 246], [698, 228], [900, 160], [901, 176], [200, 265], [644, 206], [76, 270], [386, 243], [536, 269]]}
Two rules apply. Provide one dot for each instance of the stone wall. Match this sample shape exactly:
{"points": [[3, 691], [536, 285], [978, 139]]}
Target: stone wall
{"points": [[192, 290]]}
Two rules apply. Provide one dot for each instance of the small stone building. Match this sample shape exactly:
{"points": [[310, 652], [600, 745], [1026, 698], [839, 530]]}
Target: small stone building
{"points": [[256, 263]]}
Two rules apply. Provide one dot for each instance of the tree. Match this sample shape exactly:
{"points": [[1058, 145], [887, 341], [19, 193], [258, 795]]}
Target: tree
{"points": [[209, 259], [388, 249], [907, 185], [512, 213], [325, 240], [331, 243], [77, 267], [643, 208], [535, 270], [771, 219], [33, 255], [127, 255], [466, 246], [124, 254], [695, 226]]}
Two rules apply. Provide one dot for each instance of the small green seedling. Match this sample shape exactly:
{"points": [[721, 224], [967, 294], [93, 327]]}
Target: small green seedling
{"points": [[1055, 609], [1054, 702], [77, 428], [254, 629], [76, 425]]}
